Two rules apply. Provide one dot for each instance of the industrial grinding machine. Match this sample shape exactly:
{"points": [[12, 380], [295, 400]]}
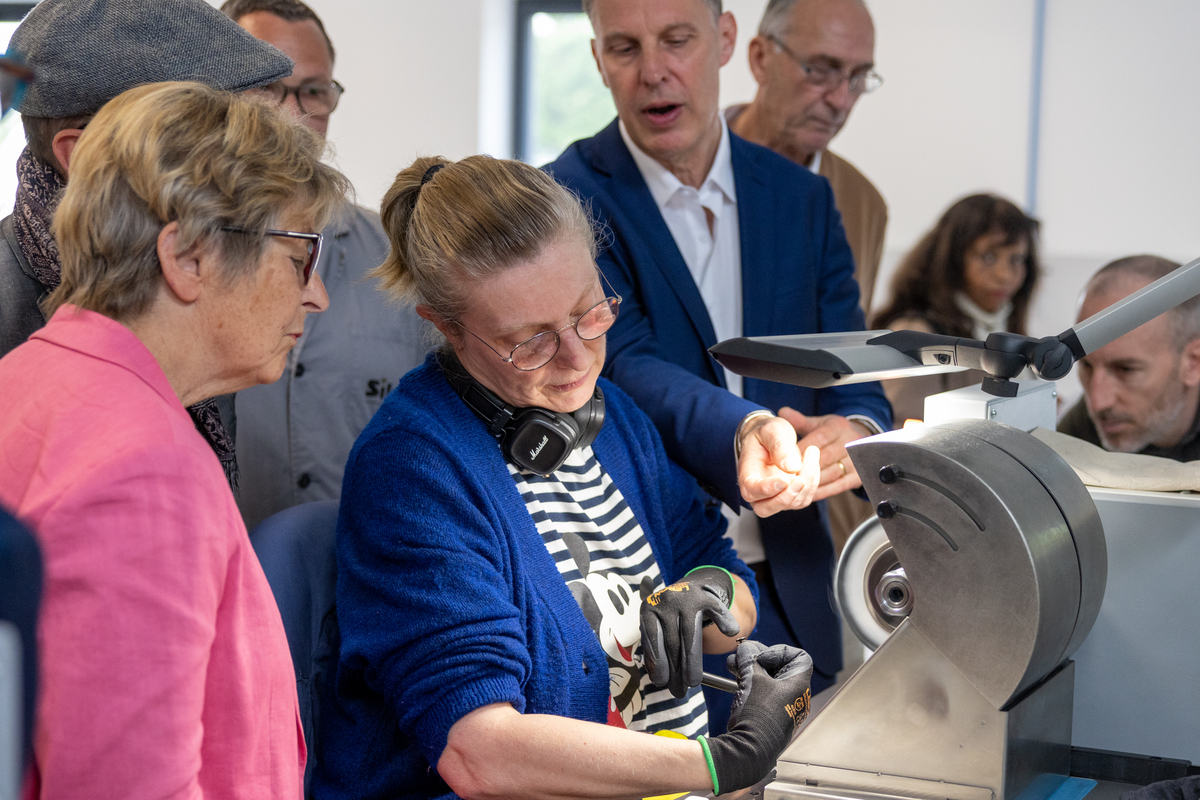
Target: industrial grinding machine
{"points": [[971, 697]]}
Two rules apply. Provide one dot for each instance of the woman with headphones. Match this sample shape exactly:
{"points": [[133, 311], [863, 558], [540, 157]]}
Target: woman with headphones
{"points": [[525, 581]]}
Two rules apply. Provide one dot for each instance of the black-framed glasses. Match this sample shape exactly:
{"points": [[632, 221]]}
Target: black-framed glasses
{"points": [[829, 77], [312, 98], [314, 241], [540, 349]]}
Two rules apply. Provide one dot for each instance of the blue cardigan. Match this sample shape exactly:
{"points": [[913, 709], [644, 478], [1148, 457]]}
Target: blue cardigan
{"points": [[447, 598]]}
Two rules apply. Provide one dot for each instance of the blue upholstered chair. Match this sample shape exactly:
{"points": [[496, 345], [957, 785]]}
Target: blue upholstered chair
{"points": [[20, 595], [295, 547]]}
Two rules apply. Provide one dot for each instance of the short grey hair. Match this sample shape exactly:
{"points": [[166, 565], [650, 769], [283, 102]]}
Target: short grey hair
{"points": [[714, 5], [1184, 318], [774, 21]]}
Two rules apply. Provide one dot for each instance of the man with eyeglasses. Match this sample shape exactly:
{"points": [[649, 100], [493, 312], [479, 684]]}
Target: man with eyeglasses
{"points": [[293, 436], [714, 237], [813, 59]]}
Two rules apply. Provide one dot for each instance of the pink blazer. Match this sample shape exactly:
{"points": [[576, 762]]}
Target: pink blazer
{"points": [[165, 670]]}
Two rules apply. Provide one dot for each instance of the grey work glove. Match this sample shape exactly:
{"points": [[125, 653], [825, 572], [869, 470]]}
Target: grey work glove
{"points": [[772, 700], [672, 626]]}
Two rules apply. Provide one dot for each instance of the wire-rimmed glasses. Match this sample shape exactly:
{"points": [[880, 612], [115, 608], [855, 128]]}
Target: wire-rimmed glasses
{"points": [[540, 349], [829, 77], [315, 240]]}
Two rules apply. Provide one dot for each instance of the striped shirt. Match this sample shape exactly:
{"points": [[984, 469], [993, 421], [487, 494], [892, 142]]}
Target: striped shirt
{"points": [[603, 555]]}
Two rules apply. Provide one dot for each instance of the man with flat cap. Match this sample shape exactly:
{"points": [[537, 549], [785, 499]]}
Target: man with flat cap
{"points": [[84, 53], [294, 435]]}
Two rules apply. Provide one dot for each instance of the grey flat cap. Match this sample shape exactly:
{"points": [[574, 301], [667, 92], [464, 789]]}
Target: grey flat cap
{"points": [[86, 52]]}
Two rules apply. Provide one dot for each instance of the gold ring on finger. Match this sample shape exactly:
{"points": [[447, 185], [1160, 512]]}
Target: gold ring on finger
{"points": [[843, 466]]}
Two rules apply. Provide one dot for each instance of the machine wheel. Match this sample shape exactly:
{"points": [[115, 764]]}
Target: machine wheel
{"points": [[873, 593]]}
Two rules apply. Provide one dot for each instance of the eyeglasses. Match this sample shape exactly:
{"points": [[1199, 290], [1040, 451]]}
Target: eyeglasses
{"points": [[314, 245], [539, 350], [827, 77], [312, 98]]}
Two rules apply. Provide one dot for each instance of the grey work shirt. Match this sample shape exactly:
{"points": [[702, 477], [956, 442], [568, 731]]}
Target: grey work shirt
{"points": [[294, 436]]}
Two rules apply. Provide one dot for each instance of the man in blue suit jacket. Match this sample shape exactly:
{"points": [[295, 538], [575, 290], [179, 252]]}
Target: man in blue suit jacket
{"points": [[660, 59]]}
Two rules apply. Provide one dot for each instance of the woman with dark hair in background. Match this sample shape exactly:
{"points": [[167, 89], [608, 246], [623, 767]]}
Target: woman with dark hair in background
{"points": [[972, 275]]}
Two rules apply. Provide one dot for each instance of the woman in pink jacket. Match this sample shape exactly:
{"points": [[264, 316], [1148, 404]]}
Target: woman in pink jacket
{"points": [[187, 242]]}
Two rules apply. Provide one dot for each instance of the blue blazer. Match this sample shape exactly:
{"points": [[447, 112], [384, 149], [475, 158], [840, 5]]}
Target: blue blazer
{"points": [[797, 277]]}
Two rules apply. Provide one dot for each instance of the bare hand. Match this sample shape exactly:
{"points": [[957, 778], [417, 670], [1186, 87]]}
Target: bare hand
{"points": [[830, 434], [772, 474]]}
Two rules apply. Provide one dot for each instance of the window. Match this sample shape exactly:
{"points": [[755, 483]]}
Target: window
{"points": [[12, 135], [559, 94]]}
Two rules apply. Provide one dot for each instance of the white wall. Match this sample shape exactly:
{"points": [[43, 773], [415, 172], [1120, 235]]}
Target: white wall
{"points": [[412, 74], [1120, 116]]}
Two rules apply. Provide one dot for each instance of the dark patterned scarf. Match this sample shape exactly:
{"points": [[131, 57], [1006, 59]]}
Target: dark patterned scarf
{"points": [[39, 188]]}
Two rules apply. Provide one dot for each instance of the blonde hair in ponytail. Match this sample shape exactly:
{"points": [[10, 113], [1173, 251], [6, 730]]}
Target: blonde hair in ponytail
{"points": [[471, 219]]}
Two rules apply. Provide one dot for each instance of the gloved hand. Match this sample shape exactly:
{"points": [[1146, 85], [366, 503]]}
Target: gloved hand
{"points": [[772, 700], [672, 623]]}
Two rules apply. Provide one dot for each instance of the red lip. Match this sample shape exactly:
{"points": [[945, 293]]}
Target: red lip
{"points": [[623, 650]]}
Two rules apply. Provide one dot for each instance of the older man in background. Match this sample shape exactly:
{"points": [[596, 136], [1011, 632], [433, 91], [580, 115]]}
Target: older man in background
{"points": [[714, 237], [294, 436], [1141, 392], [84, 53], [812, 60]]}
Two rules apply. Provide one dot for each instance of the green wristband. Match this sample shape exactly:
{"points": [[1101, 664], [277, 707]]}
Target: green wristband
{"points": [[712, 770], [732, 582]]}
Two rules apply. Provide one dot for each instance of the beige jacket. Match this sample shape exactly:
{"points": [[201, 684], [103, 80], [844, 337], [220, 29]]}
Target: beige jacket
{"points": [[864, 215]]}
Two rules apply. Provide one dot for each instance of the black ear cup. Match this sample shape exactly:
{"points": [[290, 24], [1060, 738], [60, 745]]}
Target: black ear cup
{"points": [[534, 439], [539, 440], [590, 418]]}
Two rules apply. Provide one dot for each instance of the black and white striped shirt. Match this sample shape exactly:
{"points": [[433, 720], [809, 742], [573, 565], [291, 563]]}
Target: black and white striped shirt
{"points": [[604, 557]]}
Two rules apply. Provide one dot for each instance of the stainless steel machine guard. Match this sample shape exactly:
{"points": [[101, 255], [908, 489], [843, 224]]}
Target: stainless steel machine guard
{"points": [[970, 698]]}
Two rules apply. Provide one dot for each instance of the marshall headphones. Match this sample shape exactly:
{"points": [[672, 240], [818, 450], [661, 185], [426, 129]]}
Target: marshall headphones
{"points": [[534, 439]]}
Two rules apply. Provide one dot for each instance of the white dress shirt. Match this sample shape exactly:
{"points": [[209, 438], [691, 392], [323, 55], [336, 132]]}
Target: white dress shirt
{"points": [[815, 166], [715, 261]]}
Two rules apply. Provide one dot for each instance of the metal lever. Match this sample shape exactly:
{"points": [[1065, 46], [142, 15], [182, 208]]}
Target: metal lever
{"points": [[717, 682]]}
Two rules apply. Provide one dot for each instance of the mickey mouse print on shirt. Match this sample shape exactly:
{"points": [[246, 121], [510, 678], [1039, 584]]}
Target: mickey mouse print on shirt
{"points": [[614, 612]]}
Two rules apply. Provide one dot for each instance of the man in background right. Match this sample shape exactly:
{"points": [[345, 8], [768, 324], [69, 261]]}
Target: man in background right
{"points": [[813, 59], [1141, 392]]}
